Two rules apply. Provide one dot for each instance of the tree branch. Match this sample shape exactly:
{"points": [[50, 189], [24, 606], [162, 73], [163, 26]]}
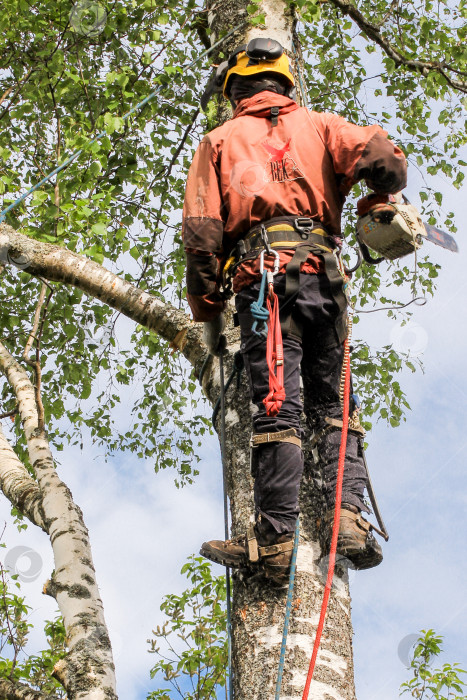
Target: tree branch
{"points": [[20, 691], [89, 664], [18, 485], [20, 85], [372, 31], [61, 265], [9, 414], [35, 325]]}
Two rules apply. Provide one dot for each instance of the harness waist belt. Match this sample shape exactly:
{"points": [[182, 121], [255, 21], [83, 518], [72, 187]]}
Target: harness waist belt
{"points": [[284, 236]]}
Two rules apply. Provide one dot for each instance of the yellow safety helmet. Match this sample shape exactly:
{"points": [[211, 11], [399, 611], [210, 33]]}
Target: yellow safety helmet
{"points": [[259, 56]]}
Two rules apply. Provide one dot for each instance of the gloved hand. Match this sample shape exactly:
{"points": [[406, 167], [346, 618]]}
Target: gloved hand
{"points": [[213, 335]]}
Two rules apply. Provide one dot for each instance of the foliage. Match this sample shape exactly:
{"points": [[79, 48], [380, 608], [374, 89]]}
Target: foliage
{"points": [[196, 618], [119, 203], [445, 683], [15, 664]]}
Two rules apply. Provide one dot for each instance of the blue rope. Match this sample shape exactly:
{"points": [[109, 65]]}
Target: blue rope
{"points": [[259, 312], [99, 136], [288, 610]]}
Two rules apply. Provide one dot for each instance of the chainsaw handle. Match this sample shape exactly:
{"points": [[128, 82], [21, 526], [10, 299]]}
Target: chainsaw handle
{"points": [[349, 270], [367, 255]]}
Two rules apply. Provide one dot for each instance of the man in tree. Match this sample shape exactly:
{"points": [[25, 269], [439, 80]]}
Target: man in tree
{"points": [[274, 178]]}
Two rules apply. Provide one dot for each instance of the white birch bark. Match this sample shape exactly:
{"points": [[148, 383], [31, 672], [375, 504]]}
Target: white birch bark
{"points": [[18, 485], [87, 672], [19, 691], [58, 264]]}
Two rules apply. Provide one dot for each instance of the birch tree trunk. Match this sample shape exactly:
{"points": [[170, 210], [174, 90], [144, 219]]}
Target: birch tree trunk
{"points": [[87, 672], [258, 610]]}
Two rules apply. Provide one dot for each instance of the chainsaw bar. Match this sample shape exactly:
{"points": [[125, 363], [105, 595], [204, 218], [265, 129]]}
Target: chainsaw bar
{"points": [[441, 238]]}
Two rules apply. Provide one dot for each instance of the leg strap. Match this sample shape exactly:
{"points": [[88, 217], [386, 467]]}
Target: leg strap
{"points": [[292, 283], [361, 522], [289, 435], [336, 424], [275, 549], [255, 552]]}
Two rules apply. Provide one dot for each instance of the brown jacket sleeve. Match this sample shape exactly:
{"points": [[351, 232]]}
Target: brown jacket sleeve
{"points": [[202, 232], [365, 153]]}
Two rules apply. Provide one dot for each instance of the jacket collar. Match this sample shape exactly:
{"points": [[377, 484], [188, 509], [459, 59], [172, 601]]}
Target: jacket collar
{"points": [[260, 105]]}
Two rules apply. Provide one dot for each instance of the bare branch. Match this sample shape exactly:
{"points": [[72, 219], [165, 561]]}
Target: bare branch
{"points": [[9, 414], [62, 265], [373, 32], [35, 325]]}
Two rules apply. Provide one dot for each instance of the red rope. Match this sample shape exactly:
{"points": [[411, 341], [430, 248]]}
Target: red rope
{"points": [[274, 357], [337, 512]]}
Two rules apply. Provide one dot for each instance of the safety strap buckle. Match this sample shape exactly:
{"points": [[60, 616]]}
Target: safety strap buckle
{"points": [[272, 549], [304, 225], [252, 542]]}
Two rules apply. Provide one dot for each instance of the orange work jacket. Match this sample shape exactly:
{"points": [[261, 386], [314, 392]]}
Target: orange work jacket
{"points": [[247, 171]]}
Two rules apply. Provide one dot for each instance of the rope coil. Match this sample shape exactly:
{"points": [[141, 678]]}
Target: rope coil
{"points": [[274, 356]]}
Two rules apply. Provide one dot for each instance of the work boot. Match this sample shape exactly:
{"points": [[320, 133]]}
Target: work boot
{"points": [[262, 547], [232, 553], [355, 540]]}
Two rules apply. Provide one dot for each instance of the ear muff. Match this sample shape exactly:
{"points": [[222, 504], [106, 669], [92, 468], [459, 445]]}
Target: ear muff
{"points": [[215, 84]]}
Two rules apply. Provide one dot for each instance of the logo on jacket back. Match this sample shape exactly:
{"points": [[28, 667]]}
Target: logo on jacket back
{"points": [[280, 166]]}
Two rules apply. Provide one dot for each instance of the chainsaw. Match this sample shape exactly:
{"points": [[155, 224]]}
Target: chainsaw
{"points": [[392, 227]]}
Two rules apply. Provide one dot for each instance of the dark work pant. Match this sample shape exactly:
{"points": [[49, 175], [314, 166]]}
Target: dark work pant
{"points": [[318, 359]]}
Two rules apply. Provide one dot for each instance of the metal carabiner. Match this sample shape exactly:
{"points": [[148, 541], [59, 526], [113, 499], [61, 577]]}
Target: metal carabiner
{"points": [[265, 239], [277, 261]]}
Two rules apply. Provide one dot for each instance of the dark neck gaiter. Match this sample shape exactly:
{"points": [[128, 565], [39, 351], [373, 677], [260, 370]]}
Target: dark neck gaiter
{"points": [[241, 87]]}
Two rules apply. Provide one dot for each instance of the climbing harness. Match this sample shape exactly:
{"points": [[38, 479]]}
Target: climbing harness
{"points": [[226, 520], [288, 610], [102, 134], [305, 236]]}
